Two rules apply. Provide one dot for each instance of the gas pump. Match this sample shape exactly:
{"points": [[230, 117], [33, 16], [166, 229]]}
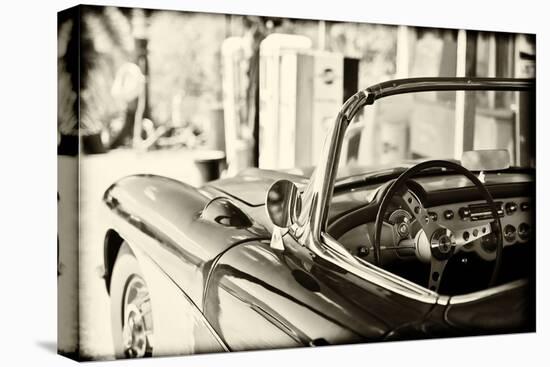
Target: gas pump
{"points": [[301, 91]]}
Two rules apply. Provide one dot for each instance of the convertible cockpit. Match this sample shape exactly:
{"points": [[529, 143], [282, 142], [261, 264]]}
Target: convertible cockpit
{"points": [[451, 226], [454, 206]]}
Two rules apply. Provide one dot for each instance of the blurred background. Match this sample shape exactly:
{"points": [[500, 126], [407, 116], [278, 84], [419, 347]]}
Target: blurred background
{"points": [[227, 86], [199, 96]]}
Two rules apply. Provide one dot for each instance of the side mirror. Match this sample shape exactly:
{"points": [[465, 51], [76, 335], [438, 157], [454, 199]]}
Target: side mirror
{"points": [[283, 203]]}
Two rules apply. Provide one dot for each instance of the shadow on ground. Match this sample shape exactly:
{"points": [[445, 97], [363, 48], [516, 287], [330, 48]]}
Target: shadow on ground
{"points": [[48, 345]]}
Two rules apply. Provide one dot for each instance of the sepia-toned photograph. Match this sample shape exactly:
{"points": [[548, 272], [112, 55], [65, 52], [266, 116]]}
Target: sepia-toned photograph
{"points": [[238, 182]]}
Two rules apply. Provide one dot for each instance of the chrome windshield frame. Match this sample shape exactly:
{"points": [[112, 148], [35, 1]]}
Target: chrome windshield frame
{"points": [[318, 194]]}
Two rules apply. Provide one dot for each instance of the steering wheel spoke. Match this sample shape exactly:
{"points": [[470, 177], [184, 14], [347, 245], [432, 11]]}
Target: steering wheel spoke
{"points": [[436, 272], [464, 236], [420, 214]]}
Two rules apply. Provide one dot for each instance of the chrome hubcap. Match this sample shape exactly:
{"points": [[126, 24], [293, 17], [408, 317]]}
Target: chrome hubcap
{"points": [[137, 328]]}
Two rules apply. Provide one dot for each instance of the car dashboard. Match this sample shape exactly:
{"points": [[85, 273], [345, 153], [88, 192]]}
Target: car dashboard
{"points": [[515, 219], [450, 201]]}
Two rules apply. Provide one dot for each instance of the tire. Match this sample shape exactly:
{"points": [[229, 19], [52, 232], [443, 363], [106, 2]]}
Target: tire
{"points": [[131, 313]]}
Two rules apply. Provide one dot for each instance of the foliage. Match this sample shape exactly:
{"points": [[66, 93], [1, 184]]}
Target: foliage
{"points": [[183, 51], [107, 42], [66, 95], [184, 55], [374, 44]]}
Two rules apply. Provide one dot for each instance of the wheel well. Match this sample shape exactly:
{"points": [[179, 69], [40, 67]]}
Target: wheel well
{"points": [[112, 244]]}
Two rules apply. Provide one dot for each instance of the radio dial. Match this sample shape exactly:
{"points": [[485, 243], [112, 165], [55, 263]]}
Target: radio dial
{"points": [[464, 213], [511, 208]]}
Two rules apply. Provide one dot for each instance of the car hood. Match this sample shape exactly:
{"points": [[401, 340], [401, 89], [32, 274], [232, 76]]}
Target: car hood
{"points": [[250, 186]]}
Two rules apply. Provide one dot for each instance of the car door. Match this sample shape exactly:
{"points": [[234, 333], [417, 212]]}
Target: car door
{"points": [[509, 307], [259, 297]]}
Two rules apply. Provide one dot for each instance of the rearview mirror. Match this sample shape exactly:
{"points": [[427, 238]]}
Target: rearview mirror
{"points": [[486, 160], [283, 203]]}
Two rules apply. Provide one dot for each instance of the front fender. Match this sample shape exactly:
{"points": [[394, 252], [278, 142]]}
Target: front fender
{"points": [[164, 219]]}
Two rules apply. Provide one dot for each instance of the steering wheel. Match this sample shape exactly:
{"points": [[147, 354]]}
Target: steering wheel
{"points": [[441, 242]]}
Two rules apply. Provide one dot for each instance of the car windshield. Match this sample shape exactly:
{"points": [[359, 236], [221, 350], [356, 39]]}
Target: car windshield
{"points": [[439, 125]]}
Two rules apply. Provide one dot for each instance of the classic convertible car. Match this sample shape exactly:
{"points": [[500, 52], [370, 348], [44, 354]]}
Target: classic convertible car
{"points": [[422, 249]]}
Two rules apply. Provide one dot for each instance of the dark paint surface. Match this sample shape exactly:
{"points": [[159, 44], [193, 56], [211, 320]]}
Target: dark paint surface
{"points": [[507, 311], [261, 298]]}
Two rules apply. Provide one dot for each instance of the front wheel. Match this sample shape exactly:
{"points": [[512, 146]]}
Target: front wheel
{"points": [[131, 312]]}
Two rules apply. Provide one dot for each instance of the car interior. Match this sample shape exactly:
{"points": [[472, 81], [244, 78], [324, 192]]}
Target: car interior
{"points": [[452, 203]]}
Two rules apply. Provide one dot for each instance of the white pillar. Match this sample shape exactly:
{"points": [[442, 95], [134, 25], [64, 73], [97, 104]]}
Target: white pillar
{"points": [[402, 52]]}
